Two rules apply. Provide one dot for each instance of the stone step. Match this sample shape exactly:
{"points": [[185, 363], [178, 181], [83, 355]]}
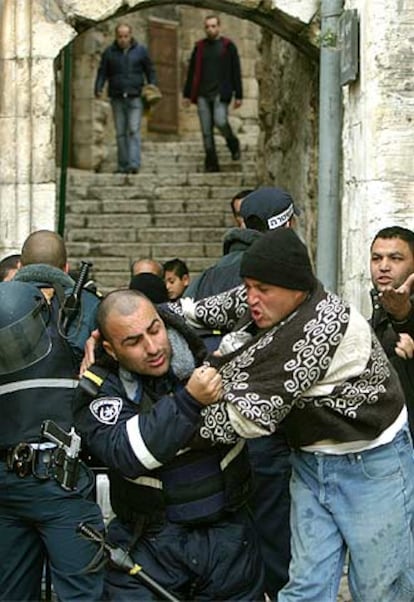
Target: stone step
{"points": [[131, 251], [158, 201], [142, 234], [162, 157], [79, 181], [191, 150], [146, 220], [143, 206], [197, 166], [120, 264], [108, 279], [248, 143], [192, 157], [170, 209]]}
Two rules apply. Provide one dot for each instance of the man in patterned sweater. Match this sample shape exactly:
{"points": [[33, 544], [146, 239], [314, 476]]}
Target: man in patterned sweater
{"points": [[314, 364]]}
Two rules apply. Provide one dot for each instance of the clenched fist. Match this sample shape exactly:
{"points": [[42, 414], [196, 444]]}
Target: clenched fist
{"points": [[205, 385]]}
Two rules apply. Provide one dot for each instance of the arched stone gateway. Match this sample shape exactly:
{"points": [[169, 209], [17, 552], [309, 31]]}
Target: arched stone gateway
{"points": [[377, 140]]}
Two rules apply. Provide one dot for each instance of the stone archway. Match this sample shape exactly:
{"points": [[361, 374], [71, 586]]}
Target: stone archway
{"points": [[32, 35]]}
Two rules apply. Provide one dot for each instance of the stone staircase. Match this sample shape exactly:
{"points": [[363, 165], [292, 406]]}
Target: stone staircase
{"points": [[170, 209]]}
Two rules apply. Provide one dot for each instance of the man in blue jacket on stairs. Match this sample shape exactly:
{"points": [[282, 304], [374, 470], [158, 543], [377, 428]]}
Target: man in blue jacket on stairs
{"points": [[127, 66]]}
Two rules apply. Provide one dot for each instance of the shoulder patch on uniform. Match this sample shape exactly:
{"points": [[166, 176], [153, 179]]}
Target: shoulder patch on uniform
{"points": [[106, 409], [95, 378]]}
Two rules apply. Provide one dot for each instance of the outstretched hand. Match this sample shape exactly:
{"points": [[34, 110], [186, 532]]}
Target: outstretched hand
{"points": [[396, 301]]}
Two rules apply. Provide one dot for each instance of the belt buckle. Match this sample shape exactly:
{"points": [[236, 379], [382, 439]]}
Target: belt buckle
{"points": [[20, 459]]}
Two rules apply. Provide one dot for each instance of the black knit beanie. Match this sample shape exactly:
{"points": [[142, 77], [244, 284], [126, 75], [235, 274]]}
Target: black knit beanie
{"points": [[279, 257]]}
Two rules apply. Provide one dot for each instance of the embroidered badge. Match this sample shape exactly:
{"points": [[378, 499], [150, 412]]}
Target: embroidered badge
{"points": [[106, 409]]}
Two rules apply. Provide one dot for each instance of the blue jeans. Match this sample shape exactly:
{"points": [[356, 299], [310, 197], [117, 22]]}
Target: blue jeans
{"points": [[212, 112], [127, 114], [364, 503]]}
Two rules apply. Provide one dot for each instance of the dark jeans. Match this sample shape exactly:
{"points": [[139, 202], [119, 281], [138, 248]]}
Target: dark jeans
{"points": [[212, 112], [270, 460]]}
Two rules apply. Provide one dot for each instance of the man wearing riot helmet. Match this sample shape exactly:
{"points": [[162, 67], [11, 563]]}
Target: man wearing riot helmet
{"points": [[45, 487]]}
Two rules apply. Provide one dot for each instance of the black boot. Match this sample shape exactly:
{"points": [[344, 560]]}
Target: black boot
{"points": [[233, 145], [211, 162]]}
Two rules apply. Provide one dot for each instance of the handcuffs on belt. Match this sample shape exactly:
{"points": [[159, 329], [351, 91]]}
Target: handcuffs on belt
{"points": [[22, 459]]}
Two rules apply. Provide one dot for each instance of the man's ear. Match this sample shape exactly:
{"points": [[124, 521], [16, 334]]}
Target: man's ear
{"points": [[186, 279], [109, 350]]}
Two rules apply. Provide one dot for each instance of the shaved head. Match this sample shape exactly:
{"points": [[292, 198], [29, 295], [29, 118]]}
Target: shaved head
{"points": [[124, 302], [44, 246], [147, 265], [134, 333]]}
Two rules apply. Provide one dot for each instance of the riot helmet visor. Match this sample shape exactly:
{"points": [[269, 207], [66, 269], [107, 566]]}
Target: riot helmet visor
{"points": [[25, 340]]}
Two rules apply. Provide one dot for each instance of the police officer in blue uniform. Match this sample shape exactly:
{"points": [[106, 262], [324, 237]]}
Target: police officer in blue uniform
{"points": [[180, 502], [44, 488]]}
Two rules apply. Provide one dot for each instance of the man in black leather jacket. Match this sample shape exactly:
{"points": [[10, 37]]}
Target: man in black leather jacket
{"points": [[392, 263]]}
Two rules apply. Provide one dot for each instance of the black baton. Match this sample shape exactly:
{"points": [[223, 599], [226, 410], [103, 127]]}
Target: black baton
{"points": [[123, 561], [72, 303]]}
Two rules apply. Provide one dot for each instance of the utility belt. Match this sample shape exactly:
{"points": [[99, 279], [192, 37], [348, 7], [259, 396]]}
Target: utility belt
{"points": [[58, 460]]}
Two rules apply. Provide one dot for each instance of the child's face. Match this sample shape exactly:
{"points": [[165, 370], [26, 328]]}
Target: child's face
{"points": [[175, 285]]}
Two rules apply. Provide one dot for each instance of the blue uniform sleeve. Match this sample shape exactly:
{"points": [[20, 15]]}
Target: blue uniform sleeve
{"points": [[135, 444]]}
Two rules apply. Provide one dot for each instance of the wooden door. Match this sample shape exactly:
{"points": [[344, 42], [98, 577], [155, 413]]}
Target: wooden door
{"points": [[163, 47]]}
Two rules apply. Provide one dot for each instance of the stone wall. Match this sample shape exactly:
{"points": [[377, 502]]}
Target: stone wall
{"points": [[288, 110], [31, 36], [378, 138]]}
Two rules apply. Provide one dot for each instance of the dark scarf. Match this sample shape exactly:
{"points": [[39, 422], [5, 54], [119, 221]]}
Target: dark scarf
{"points": [[43, 273]]}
